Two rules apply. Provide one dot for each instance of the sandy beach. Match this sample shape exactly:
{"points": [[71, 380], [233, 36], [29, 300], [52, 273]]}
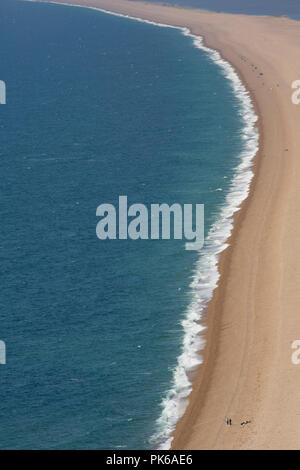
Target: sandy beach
{"points": [[254, 316]]}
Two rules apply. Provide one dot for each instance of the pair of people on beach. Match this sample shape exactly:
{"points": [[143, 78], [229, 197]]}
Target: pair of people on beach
{"points": [[229, 422]]}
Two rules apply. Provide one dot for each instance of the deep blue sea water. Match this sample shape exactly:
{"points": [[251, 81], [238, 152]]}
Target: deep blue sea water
{"points": [[290, 8], [99, 106]]}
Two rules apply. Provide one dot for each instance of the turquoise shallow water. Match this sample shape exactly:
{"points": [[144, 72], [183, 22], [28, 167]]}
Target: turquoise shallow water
{"points": [[99, 106]]}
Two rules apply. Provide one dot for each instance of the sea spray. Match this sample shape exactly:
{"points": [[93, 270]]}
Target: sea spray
{"points": [[206, 274]]}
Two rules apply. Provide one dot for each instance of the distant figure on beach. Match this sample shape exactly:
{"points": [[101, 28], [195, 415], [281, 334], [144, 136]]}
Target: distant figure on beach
{"points": [[245, 422], [228, 421]]}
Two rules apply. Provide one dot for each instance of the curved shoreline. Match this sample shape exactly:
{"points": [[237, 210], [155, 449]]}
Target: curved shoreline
{"points": [[177, 398], [247, 344]]}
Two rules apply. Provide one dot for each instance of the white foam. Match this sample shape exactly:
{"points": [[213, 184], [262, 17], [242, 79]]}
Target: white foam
{"points": [[206, 273]]}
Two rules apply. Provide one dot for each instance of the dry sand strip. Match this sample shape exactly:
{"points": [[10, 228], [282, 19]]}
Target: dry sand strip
{"points": [[254, 315]]}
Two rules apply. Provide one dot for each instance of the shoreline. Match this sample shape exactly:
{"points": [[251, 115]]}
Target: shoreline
{"points": [[239, 375]]}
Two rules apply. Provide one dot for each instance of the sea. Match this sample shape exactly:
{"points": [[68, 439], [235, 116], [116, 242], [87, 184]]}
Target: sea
{"points": [[101, 335], [288, 8]]}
